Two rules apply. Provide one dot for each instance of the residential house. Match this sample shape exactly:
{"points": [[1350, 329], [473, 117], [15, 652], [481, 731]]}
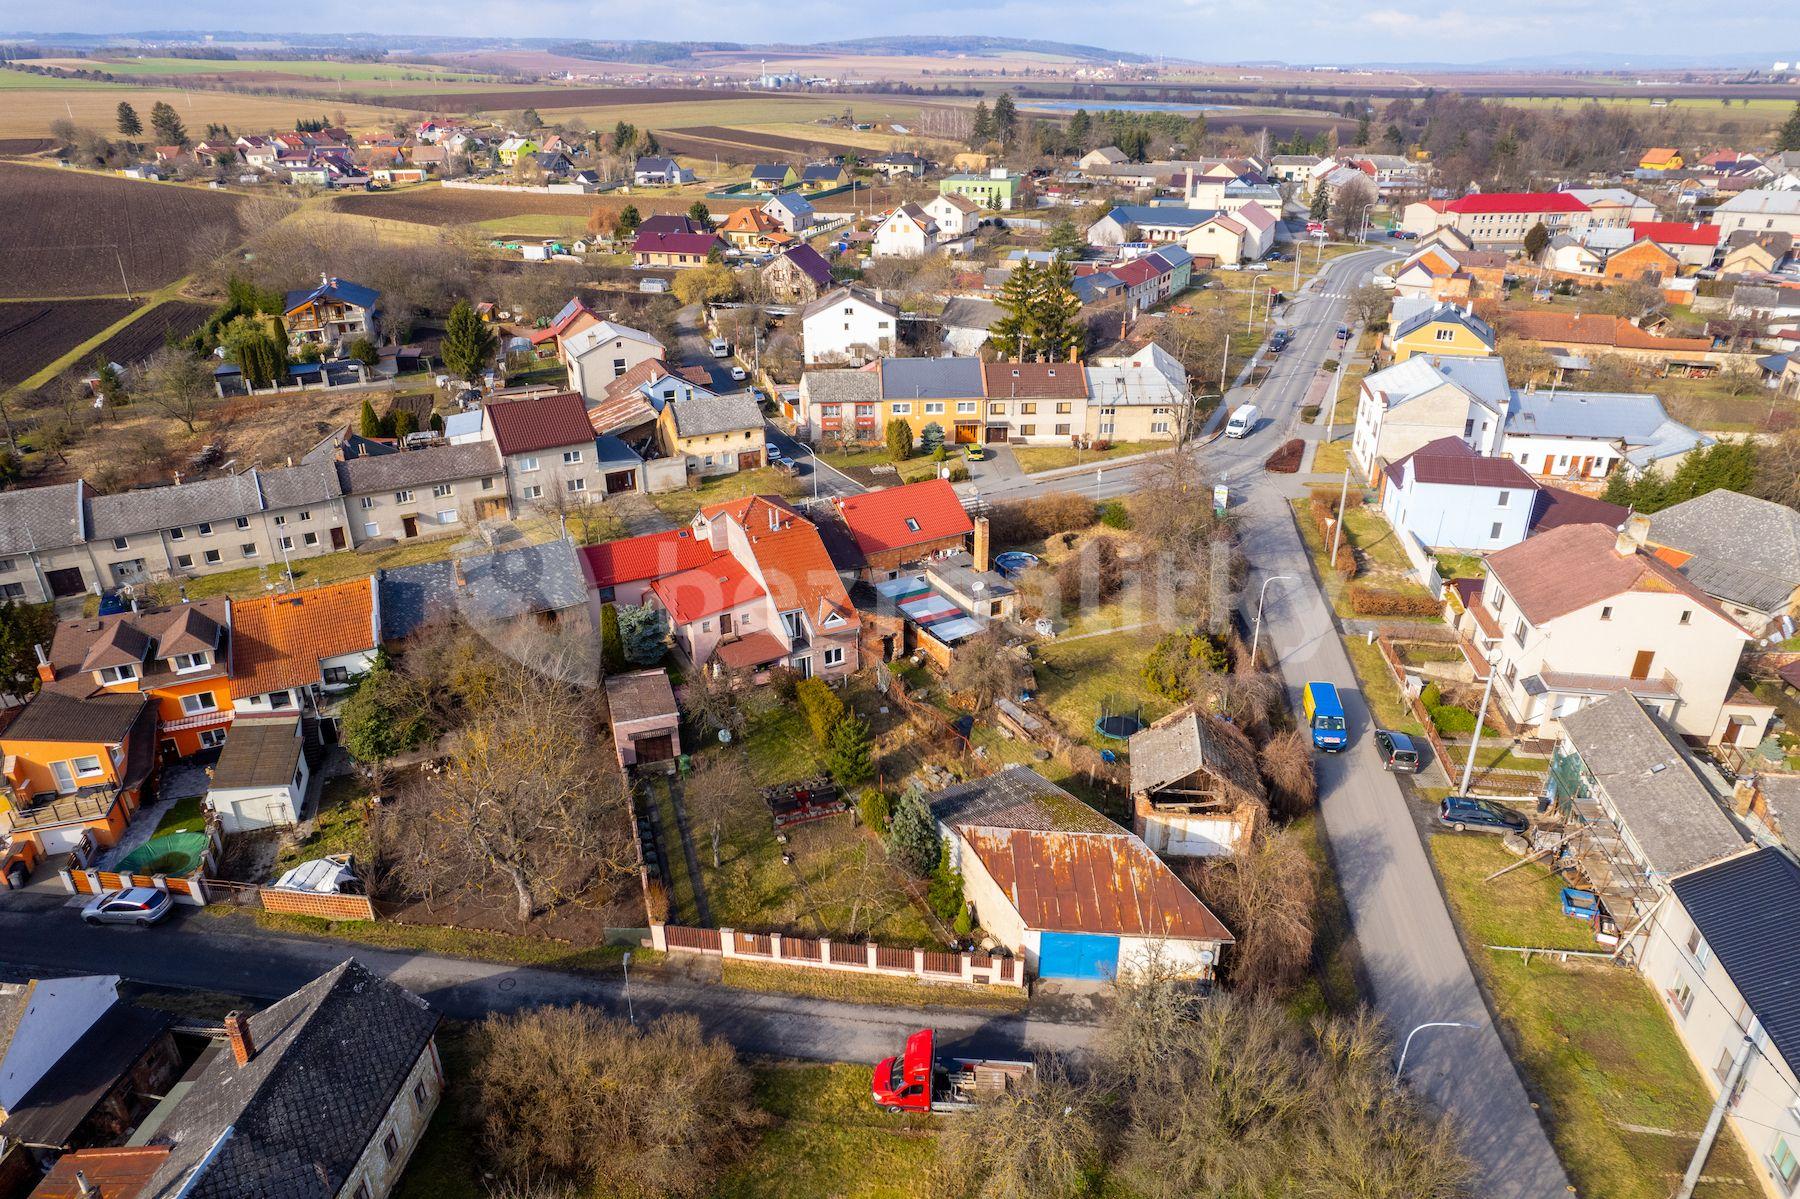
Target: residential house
{"points": [[1755, 254], [602, 351], [949, 391], [1742, 551], [1447, 497], [717, 435], [955, 215], [332, 315], [1661, 158], [1759, 211], [543, 583], [798, 273], [840, 404], [772, 177], [752, 230], [1403, 407], [1195, 789], [187, 529], [1150, 223], [302, 651], [646, 723], [261, 778], [631, 402], [651, 171], [906, 232], [1104, 156], [515, 148], [965, 322], [900, 163], [848, 324], [1443, 331], [1036, 402], [1067, 890], [76, 768], [1571, 337], [569, 320], [793, 213], [1586, 435], [751, 587], [900, 527], [416, 493], [1694, 244], [1498, 219], [547, 447], [1717, 954], [1578, 612], [1141, 395], [1440, 272], [622, 571], [1259, 221], [674, 249], [1613, 207], [996, 189], [1144, 281], [43, 544], [820, 176], [1643, 261]]}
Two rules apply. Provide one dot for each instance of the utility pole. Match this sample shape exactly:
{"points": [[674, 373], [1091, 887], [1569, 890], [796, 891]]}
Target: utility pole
{"points": [[1480, 715], [1692, 1178], [1256, 636], [1337, 530]]}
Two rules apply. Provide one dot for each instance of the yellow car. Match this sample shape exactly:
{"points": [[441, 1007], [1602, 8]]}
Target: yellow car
{"points": [[976, 453]]}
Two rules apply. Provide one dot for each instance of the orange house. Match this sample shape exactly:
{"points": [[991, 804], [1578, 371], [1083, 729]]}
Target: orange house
{"points": [[1642, 260], [76, 768]]}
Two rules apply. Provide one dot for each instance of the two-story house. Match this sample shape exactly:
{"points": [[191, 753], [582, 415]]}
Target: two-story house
{"points": [[1036, 402], [1403, 407], [332, 315], [717, 435], [77, 762], [797, 274], [302, 651], [955, 215], [1447, 497], [599, 352], [848, 325], [438, 489], [1741, 550], [43, 544], [899, 527], [1579, 612], [906, 232], [1139, 395], [547, 446], [1443, 331]]}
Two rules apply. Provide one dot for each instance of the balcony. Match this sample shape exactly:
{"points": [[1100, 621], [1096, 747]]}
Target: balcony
{"points": [[47, 809]]}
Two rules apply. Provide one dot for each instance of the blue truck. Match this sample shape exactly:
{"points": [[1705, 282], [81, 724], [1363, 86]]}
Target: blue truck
{"points": [[1325, 717]]}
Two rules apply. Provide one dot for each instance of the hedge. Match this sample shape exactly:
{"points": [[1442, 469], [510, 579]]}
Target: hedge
{"points": [[1376, 601]]}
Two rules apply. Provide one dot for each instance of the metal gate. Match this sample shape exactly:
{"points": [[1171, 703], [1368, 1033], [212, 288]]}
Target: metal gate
{"points": [[1077, 955]]}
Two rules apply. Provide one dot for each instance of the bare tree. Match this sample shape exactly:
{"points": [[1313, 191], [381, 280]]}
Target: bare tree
{"points": [[1287, 768], [718, 795], [177, 384], [986, 668], [1265, 894], [1041, 1141]]}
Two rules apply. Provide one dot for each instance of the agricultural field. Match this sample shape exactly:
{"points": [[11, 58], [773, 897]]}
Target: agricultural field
{"points": [[267, 69], [432, 205], [33, 334], [151, 331], [72, 233], [30, 107], [20, 147], [561, 98], [724, 108]]}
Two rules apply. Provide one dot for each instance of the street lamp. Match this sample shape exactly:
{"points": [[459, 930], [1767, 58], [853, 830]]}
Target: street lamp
{"points": [[625, 963], [1256, 635], [1401, 1065]]}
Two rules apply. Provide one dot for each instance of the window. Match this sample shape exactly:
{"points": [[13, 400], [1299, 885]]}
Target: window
{"points": [[120, 543], [996, 409], [1469, 427], [1446, 335], [443, 489], [834, 655], [371, 528], [281, 699], [1699, 950], [935, 408], [118, 674], [1783, 1162], [184, 663], [281, 521], [8, 565], [900, 409], [86, 767], [487, 484], [361, 1192], [1027, 430], [1681, 998], [1504, 500], [403, 497], [212, 738], [576, 486], [212, 557], [912, 524], [205, 701], [1160, 426], [1062, 430], [243, 522], [1606, 612], [184, 560], [571, 457], [1028, 408], [368, 501], [419, 1094], [1687, 614], [1722, 1068], [448, 516], [206, 528], [965, 407], [177, 534], [1494, 532], [305, 514], [529, 462], [287, 543], [534, 492]]}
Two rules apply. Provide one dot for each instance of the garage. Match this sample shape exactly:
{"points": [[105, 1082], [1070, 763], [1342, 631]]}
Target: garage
{"points": [[1077, 955], [995, 434], [967, 432], [67, 581]]}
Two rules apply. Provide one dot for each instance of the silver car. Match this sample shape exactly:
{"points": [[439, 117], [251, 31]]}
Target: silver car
{"points": [[134, 905]]}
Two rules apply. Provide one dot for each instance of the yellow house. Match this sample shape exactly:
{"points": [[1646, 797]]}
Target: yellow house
{"points": [[971, 160], [1661, 158], [718, 435], [1446, 330]]}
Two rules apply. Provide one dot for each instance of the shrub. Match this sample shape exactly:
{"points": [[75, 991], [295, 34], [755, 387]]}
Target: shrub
{"points": [[847, 752], [1286, 459], [820, 705], [1453, 721], [1095, 574], [899, 440], [1025, 521], [1310, 413], [945, 893], [1431, 696], [1177, 659], [612, 649], [1115, 515], [959, 473], [874, 809], [1376, 601], [912, 838]]}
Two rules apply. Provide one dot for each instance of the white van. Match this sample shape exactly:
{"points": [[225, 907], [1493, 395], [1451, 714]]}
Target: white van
{"points": [[720, 348], [1242, 421]]}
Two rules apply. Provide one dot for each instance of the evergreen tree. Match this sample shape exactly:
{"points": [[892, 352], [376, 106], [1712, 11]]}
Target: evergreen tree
{"points": [[1788, 138], [627, 224], [624, 138], [1537, 238], [23, 627], [368, 424], [981, 132], [700, 214], [1006, 118], [1012, 334], [259, 353], [912, 838], [1362, 130], [612, 648], [1396, 140], [899, 439], [641, 633], [405, 421], [1196, 134], [129, 125], [1081, 127], [468, 344], [651, 145], [847, 752], [1065, 239], [382, 718], [1058, 334], [166, 123], [1321, 201]]}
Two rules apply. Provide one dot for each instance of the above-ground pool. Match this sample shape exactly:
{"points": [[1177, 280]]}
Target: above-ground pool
{"points": [[1013, 562]]}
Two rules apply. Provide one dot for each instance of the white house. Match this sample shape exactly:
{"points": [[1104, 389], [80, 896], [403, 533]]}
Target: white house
{"points": [[1022, 843], [848, 325], [1218, 237], [1557, 434], [956, 216], [261, 777], [908, 232], [1259, 223], [790, 211], [1424, 398], [1446, 496], [1760, 211], [1153, 223], [599, 353]]}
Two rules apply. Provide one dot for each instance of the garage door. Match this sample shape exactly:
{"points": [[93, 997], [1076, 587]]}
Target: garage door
{"points": [[1077, 955], [60, 840]]}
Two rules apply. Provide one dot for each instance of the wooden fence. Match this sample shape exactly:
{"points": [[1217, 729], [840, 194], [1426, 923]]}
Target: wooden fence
{"points": [[931, 965], [1528, 779], [190, 889]]}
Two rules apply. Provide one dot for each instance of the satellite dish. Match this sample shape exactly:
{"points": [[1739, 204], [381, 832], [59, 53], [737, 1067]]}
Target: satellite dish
{"points": [[724, 736], [1206, 957]]}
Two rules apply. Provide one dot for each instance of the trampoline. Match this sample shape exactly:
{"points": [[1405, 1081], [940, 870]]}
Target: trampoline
{"points": [[1119, 726]]}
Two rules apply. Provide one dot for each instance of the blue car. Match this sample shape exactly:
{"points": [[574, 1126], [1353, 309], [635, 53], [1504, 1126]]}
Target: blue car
{"points": [[1465, 812]]}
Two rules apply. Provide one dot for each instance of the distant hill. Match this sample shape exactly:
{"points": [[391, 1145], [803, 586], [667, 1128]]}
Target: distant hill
{"points": [[974, 47]]}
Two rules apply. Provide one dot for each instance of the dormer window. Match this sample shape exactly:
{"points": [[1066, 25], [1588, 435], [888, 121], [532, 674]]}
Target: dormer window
{"points": [[118, 674], [188, 663]]}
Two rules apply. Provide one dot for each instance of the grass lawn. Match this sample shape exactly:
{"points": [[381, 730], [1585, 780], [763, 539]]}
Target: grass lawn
{"points": [[1076, 676], [683, 909], [1379, 690], [1331, 457], [337, 828], [1344, 411], [828, 1139], [1711, 406], [680, 506], [1592, 1040], [910, 470], [1384, 562], [184, 817], [1371, 534], [1460, 566], [860, 988], [1034, 458]]}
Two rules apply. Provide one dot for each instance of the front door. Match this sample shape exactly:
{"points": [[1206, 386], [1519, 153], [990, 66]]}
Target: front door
{"points": [[995, 433], [409, 526], [1640, 669], [65, 778], [337, 537], [1733, 728], [65, 582], [725, 624], [967, 432]]}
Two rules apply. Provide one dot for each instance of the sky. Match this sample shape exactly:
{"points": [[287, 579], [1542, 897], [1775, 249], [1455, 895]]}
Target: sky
{"points": [[1301, 31]]}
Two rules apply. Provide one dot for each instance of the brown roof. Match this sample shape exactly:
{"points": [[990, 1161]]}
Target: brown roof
{"points": [[281, 639], [548, 422], [1450, 461], [640, 695], [1556, 507], [1035, 380], [118, 1173], [1566, 569], [1595, 329], [87, 643]]}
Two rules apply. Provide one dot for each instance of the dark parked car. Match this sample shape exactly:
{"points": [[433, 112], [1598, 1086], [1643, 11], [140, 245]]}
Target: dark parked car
{"points": [[1280, 341], [1398, 753], [1465, 812]]}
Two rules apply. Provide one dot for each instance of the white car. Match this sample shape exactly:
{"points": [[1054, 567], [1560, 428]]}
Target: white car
{"points": [[142, 906], [1230, 266], [1257, 266], [1384, 282], [739, 373]]}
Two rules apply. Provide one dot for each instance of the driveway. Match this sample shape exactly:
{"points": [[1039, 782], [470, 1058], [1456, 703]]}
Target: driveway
{"points": [[693, 349]]}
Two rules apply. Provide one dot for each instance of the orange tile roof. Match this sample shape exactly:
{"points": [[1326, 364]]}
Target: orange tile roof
{"points": [[116, 1173], [790, 557], [1596, 329], [278, 641], [750, 220]]}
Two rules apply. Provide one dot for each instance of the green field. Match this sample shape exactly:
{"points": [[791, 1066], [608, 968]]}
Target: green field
{"points": [[19, 80], [319, 67], [1701, 103]]}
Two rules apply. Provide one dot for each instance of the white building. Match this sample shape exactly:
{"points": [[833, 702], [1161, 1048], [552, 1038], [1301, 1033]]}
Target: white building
{"points": [[956, 216], [908, 232], [261, 777], [848, 325], [1424, 398], [600, 353]]}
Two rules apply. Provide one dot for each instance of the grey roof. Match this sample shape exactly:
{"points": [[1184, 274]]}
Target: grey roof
{"points": [[1735, 532], [259, 753], [103, 718], [155, 508], [1763, 202], [843, 294], [293, 486], [704, 414], [1748, 909], [1668, 809], [41, 518], [1017, 797], [640, 695], [529, 580], [416, 468], [843, 386], [930, 378], [964, 312], [292, 1122], [1446, 312], [1178, 746], [1160, 216], [56, 1105], [1483, 378], [610, 453], [1636, 419]]}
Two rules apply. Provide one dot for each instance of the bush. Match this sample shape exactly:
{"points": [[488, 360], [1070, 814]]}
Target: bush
{"points": [[959, 473], [912, 838], [847, 752], [1376, 601], [1025, 521], [1453, 721], [899, 440], [1115, 515], [821, 707], [612, 649], [1094, 575], [874, 809], [1286, 459], [1310, 413], [945, 893], [1177, 658]]}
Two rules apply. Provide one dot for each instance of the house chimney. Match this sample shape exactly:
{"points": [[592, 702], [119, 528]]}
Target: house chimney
{"points": [[1632, 535], [237, 1031], [84, 1188], [981, 543], [178, 478], [46, 672]]}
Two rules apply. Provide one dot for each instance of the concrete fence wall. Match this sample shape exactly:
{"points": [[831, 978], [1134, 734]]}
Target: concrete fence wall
{"points": [[807, 953], [190, 890], [312, 903]]}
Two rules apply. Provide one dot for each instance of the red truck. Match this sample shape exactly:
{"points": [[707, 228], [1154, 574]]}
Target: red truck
{"points": [[916, 1081]]}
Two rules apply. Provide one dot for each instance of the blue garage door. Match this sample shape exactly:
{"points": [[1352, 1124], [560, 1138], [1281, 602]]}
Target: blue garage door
{"points": [[1077, 955]]}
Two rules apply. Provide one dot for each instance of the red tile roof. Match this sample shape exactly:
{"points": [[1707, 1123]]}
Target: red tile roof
{"points": [[1598, 329], [721, 584], [278, 641], [1039, 380], [898, 517], [1677, 233], [1508, 202], [1450, 461], [1572, 567], [647, 557], [526, 426], [791, 559]]}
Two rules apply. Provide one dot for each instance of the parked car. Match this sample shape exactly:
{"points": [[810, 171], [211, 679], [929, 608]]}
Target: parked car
{"points": [[1465, 812], [739, 374], [1257, 266], [134, 905], [1398, 753], [1405, 235], [1230, 266], [976, 453], [1280, 340], [784, 464]]}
